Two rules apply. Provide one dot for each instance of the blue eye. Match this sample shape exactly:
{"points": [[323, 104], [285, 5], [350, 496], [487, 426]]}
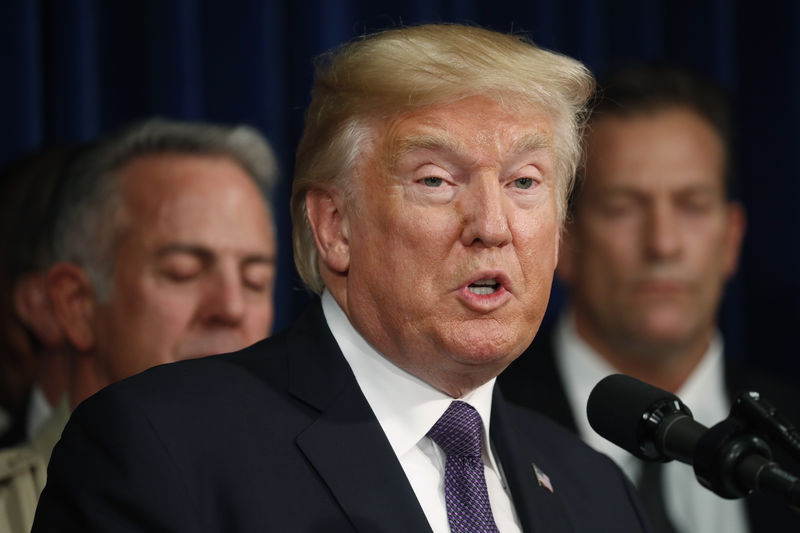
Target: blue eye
{"points": [[523, 183], [432, 181]]}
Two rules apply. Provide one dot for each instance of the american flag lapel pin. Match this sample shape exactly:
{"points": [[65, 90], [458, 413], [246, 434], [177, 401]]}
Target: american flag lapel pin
{"points": [[542, 478]]}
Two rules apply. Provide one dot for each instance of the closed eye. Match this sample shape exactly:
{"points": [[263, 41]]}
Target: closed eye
{"points": [[258, 275]]}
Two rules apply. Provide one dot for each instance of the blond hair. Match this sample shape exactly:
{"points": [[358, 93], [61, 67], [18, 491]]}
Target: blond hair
{"points": [[396, 71]]}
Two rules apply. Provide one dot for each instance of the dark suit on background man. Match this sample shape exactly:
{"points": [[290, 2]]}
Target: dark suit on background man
{"points": [[309, 453], [534, 381]]}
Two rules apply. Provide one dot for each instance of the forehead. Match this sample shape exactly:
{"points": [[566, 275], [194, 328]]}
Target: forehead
{"points": [[150, 181], [476, 126], [673, 148], [188, 197]]}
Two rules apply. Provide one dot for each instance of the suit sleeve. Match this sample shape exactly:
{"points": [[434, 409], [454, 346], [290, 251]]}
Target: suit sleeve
{"points": [[111, 472]]}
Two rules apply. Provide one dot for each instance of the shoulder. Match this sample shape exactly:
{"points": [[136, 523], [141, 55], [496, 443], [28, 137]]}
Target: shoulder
{"points": [[552, 438], [186, 397], [22, 478], [560, 448], [261, 366], [224, 375], [23, 460]]}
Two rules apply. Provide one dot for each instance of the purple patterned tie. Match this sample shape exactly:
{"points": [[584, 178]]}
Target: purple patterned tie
{"points": [[458, 434]]}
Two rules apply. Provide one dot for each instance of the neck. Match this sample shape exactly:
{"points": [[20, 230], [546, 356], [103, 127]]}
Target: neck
{"points": [[666, 365], [53, 374], [456, 388], [85, 379]]}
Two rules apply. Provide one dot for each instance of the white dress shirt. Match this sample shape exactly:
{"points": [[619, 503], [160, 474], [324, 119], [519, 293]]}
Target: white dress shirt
{"points": [[406, 408], [691, 507], [39, 412]]}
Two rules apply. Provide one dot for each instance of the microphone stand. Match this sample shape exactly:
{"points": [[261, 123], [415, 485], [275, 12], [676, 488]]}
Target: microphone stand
{"points": [[763, 417], [733, 458]]}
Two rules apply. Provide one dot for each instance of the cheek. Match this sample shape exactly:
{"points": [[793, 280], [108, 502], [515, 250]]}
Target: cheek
{"points": [[258, 320], [409, 237], [163, 308], [615, 247], [538, 234], [710, 251], [536, 244]]}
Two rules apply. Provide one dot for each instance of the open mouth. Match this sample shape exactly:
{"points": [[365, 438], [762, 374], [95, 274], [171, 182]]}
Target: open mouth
{"points": [[483, 287]]}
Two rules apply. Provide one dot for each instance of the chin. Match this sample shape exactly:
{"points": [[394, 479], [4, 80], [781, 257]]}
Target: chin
{"points": [[664, 334], [477, 346]]}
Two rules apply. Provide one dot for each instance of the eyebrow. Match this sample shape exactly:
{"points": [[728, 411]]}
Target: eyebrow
{"points": [[424, 142], [532, 143], [618, 190], [206, 254], [529, 143]]}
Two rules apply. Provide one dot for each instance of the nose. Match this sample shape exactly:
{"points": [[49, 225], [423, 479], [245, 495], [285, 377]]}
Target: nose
{"points": [[663, 234], [224, 300], [484, 213]]}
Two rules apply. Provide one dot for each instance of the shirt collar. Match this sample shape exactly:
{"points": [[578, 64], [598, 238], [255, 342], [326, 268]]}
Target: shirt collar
{"points": [[406, 407], [39, 412], [581, 368]]}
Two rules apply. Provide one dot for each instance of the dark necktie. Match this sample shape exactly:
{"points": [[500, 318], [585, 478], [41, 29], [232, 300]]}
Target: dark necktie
{"points": [[651, 494], [458, 433]]}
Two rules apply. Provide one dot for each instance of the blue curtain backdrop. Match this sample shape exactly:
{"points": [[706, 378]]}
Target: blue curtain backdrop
{"points": [[73, 69]]}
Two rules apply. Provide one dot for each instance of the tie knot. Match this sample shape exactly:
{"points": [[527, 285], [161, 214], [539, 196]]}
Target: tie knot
{"points": [[458, 430]]}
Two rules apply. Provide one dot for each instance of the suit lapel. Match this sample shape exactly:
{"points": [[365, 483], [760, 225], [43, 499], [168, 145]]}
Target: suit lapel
{"points": [[346, 444], [533, 381], [538, 509]]}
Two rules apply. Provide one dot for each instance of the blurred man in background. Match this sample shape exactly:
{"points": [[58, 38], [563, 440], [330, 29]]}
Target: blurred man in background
{"points": [[653, 237], [28, 355], [162, 248]]}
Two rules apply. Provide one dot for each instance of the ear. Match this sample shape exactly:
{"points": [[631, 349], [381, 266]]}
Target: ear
{"points": [[734, 234], [73, 301], [34, 308], [330, 228]]}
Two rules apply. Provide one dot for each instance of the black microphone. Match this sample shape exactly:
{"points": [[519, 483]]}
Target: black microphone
{"points": [[655, 425], [648, 422]]}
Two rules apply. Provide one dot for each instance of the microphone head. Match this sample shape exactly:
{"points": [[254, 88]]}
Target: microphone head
{"points": [[629, 412]]}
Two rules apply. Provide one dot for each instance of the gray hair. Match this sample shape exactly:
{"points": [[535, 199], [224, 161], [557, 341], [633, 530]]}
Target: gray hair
{"points": [[87, 223]]}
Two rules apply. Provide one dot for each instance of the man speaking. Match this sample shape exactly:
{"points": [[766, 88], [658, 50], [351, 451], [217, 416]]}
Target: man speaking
{"points": [[428, 200]]}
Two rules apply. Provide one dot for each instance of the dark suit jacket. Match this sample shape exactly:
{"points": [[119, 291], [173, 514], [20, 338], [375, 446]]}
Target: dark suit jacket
{"points": [[533, 381], [279, 437]]}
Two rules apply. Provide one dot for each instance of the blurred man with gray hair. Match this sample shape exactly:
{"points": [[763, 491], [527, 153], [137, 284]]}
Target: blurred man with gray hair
{"points": [[163, 248]]}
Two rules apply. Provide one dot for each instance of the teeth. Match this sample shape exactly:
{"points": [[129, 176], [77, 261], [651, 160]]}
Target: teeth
{"points": [[481, 290], [483, 286]]}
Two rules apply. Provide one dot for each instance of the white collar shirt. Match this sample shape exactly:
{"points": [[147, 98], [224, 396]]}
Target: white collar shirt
{"points": [[39, 412], [406, 408], [691, 507]]}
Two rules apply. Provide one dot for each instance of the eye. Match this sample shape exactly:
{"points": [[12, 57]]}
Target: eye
{"points": [[258, 276], [616, 209], [180, 268], [523, 183], [697, 204], [432, 181]]}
